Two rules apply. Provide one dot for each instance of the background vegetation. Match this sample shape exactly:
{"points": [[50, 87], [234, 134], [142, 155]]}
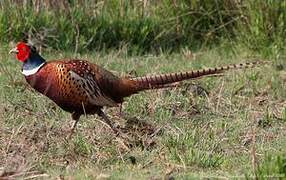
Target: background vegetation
{"points": [[219, 127], [143, 25]]}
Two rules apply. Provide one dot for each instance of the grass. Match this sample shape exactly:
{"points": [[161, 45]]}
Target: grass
{"points": [[111, 24], [229, 126], [144, 26]]}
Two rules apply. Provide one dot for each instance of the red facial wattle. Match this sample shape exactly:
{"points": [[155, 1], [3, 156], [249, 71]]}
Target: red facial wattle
{"points": [[23, 52]]}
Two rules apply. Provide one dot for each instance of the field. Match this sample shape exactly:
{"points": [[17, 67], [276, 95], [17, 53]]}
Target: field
{"points": [[228, 126]]}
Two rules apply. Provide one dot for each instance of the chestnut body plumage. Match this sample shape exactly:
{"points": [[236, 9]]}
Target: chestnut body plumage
{"points": [[80, 87]]}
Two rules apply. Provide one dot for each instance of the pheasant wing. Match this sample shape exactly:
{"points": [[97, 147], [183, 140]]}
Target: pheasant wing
{"points": [[90, 86]]}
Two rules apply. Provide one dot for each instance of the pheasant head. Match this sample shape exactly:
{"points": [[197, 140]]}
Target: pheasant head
{"points": [[30, 57]]}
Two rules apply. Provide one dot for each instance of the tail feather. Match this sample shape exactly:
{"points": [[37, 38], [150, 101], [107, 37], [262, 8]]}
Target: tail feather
{"points": [[163, 80]]}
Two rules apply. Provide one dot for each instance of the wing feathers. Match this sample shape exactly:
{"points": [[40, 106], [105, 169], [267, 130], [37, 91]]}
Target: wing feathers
{"points": [[92, 89]]}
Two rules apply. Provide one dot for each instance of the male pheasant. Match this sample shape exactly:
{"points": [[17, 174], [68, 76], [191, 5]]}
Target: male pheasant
{"points": [[80, 87]]}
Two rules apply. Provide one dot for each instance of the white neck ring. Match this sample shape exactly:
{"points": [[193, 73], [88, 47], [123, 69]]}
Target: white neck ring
{"points": [[32, 71]]}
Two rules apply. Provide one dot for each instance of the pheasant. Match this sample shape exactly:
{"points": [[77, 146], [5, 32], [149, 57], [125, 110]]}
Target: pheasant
{"points": [[81, 87]]}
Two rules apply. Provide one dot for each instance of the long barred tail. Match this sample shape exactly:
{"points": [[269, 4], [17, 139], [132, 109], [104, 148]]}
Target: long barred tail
{"points": [[163, 80]]}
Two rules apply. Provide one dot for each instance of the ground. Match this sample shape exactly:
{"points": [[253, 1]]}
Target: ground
{"points": [[227, 126]]}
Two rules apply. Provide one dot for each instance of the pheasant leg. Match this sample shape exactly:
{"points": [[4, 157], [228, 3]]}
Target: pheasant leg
{"points": [[75, 117], [107, 121], [116, 130]]}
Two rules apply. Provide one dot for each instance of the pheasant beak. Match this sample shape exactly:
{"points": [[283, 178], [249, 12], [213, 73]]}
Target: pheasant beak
{"points": [[14, 50]]}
